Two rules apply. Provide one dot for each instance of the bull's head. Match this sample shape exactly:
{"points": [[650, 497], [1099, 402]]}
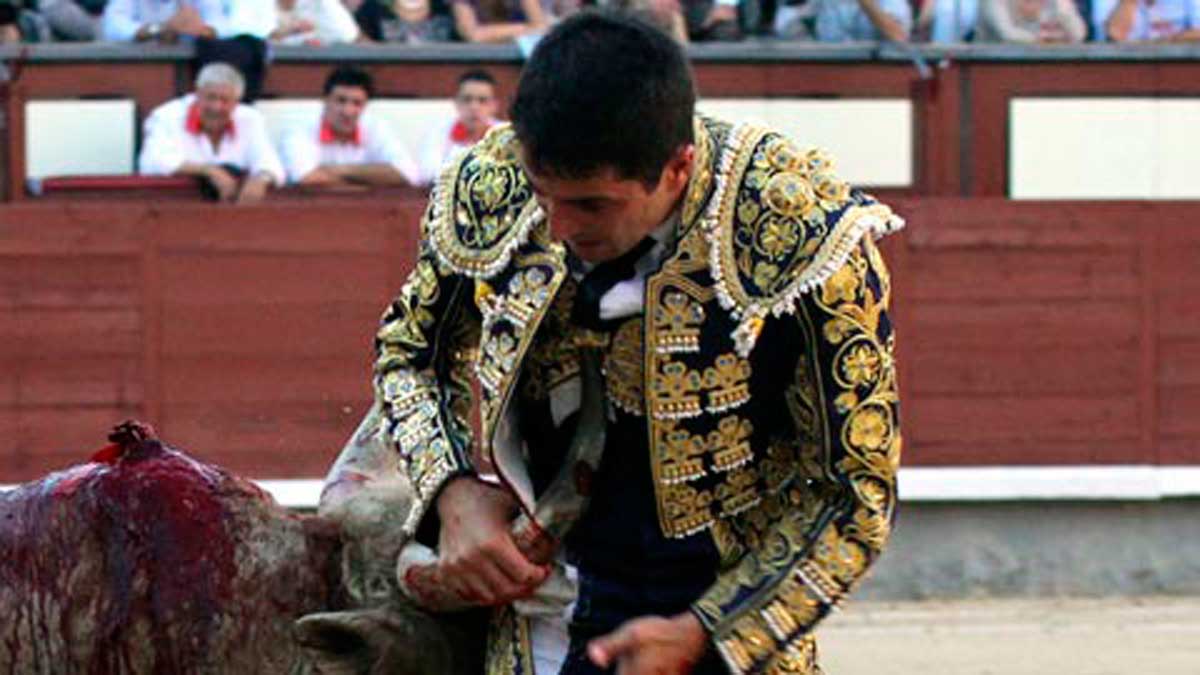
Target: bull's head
{"points": [[392, 640]]}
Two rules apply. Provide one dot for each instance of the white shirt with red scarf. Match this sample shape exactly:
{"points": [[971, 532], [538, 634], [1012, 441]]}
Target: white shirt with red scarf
{"points": [[172, 136], [444, 141], [312, 143]]}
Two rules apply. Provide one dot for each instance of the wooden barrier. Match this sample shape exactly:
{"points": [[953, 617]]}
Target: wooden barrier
{"points": [[1029, 333]]}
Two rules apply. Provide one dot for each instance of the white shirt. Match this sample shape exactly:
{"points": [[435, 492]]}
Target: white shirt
{"points": [[303, 149], [332, 21], [168, 143], [123, 18], [439, 147]]}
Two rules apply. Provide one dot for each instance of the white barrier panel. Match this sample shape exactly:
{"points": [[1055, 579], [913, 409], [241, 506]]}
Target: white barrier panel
{"points": [[411, 120], [947, 484], [1104, 148], [73, 137], [871, 140]]}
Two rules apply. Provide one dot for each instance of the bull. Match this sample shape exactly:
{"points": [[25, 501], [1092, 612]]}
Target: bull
{"points": [[147, 561]]}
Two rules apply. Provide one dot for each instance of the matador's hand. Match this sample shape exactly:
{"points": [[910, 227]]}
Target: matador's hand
{"points": [[652, 645], [478, 558]]}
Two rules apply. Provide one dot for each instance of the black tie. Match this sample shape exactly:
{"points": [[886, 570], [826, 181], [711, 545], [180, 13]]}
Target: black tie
{"points": [[593, 286]]}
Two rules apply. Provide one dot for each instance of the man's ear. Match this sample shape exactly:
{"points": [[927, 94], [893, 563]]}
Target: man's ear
{"points": [[679, 167]]}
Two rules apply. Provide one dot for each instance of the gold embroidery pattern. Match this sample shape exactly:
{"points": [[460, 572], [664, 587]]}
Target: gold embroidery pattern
{"points": [[623, 375], [553, 358], [675, 392], [787, 224], [837, 521], [727, 383], [505, 320], [422, 409], [482, 208], [509, 650], [681, 454], [677, 322], [510, 321]]}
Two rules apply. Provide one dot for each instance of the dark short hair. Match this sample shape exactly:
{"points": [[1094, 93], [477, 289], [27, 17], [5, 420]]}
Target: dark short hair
{"points": [[476, 75], [604, 90], [349, 76]]}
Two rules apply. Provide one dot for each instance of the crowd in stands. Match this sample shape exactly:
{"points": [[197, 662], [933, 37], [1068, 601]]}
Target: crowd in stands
{"points": [[211, 135], [327, 22]]}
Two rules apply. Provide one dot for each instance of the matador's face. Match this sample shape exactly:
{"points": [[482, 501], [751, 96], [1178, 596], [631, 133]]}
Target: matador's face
{"points": [[604, 215]]}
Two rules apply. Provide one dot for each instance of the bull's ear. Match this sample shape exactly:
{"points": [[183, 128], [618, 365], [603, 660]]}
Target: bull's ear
{"points": [[336, 643], [379, 641]]}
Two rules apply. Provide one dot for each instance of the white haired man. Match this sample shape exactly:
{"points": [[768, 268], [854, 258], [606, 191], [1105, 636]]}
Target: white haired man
{"points": [[210, 135]]}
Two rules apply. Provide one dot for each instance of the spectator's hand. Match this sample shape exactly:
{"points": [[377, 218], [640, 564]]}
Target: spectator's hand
{"points": [[254, 189], [224, 183], [652, 645], [720, 14], [302, 26], [478, 558], [1052, 31], [186, 21]]}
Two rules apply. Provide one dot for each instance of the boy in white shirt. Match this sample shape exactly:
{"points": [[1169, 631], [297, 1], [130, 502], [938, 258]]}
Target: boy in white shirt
{"points": [[210, 135], [343, 145], [475, 105]]}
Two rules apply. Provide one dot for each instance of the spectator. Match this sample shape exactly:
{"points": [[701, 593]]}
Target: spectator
{"points": [[475, 105], [842, 20], [498, 20], [73, 20], [1154, 21], [344, 146], [947, 20], [314, 22], [711, 20], [20, 23], [666, 14], [1030, 21], [169, 20], [404, 21], [210, 135]]}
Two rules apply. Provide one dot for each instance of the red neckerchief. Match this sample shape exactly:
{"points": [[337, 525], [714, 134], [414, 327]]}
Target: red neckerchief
{"points": [[327, 135], [460, 135], [193, 126]]}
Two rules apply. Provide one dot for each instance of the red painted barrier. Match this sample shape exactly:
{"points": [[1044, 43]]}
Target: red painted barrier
{"points": [[1029, 333]]}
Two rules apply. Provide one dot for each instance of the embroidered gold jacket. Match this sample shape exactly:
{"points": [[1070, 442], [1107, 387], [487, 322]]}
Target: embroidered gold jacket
{"points": [[764, 367]]}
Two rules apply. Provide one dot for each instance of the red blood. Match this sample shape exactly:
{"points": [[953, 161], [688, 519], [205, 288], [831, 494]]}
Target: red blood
{"points": [[143, 543]]}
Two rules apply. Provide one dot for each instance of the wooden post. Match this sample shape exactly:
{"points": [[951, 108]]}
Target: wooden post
{"points": [[12, 152]]}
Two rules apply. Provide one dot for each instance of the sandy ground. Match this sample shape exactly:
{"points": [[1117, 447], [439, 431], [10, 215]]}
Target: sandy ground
{"points": [[1143, 636]]}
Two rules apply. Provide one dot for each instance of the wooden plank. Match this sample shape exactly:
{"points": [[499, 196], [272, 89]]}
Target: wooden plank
{"points": [[1179, 420], [74, 280], [1058, 453], [803, 79], [392, 80], [1024, 420], [280, 228], [300, 330], [1027, 325], [69, 334], [264, 380], [267, 280], [55, 229], [1099, 369], [148, 83], [1037, 274], [298, 439], [96, 380]]}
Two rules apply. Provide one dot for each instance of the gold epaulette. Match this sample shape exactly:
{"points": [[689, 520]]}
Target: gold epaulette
{"points": [[482, 207], [779, 224]]}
